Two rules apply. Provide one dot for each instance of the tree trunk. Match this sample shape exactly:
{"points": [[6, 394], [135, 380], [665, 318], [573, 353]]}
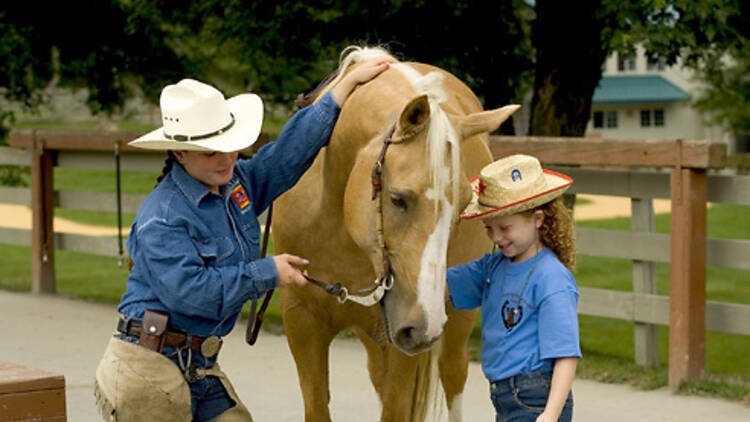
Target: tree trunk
{"points": [[570, 54], [569, 58]]}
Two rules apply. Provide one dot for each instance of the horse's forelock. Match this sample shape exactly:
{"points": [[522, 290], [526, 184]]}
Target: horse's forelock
{"points": [[349, 56]]}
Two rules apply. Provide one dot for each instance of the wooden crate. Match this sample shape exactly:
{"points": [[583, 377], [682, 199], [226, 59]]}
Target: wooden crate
{"points": [[28, 394]]}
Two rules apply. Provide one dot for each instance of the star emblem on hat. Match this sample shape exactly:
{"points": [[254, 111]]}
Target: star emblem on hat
{"points": [[481, 188]]}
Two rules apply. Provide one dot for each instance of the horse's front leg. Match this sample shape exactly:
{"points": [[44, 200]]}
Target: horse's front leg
{"points": [[309, 339], [453, 363], [405, 376], [376, 363]]}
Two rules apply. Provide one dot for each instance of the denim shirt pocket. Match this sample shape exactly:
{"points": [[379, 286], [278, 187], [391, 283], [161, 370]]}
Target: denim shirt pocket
{"points": [[215, 249], [251, 230]]}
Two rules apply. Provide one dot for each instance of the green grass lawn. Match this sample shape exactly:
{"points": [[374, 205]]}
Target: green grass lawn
{"points": [[121, 125]]}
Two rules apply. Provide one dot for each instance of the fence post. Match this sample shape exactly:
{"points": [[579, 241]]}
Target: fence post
{"points": [[645, 336], [42, 212], [687, 303]]}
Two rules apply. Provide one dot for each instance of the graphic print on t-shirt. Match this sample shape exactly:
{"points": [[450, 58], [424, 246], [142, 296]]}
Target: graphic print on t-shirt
{"points": [[512, 315]]}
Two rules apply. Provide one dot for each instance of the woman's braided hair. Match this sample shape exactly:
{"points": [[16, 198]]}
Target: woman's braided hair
{"points": [[557, 231], [168, 164]]}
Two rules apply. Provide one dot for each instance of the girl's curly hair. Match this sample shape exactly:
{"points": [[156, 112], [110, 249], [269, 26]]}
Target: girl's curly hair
{"points": [[557, 231]]}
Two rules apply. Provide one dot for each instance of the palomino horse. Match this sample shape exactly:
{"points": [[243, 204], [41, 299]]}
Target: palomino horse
{"points": [[402, 236]]}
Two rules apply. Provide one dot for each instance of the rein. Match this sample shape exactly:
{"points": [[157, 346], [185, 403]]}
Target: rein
{"points": [[255, 320]]}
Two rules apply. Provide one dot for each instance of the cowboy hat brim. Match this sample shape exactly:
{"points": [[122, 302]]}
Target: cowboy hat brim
{"points": [[557, 184], [248, 114]]}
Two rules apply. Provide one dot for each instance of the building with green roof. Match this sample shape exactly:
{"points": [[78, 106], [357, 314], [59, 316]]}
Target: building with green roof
{"points": [[638, 98]]}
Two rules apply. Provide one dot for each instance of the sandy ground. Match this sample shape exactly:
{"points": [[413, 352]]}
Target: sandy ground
{"points": [[602, 206], [19, 217], [68, 337]]}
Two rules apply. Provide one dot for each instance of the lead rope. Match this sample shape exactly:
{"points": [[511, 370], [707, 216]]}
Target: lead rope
{"points": [[255, 320], [120, 254]]}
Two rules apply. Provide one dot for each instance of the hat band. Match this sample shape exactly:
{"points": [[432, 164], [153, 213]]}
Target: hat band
{"points": [[183, 138], [484, 204]]}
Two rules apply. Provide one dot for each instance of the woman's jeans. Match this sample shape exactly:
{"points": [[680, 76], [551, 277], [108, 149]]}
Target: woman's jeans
{"points": [[523, 397]]}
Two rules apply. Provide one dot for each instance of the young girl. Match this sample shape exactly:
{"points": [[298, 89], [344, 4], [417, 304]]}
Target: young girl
{"points": [[528, 296], [195, 248]]}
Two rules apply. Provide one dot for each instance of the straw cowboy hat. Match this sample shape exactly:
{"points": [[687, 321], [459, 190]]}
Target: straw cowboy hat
{"points": [[511, 185], [196, 117]]}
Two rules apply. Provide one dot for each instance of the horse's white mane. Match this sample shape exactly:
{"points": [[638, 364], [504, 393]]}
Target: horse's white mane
{"points": [[440, 132], [349, 56], [440, 129]]}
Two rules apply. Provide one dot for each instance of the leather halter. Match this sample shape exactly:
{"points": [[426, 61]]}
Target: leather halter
{"points": [[373, 294], [377, 188], [365, 297]]}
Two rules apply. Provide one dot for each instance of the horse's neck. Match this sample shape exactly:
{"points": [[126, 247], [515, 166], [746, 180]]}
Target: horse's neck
{"points": [[356, 128], [367, 115]]}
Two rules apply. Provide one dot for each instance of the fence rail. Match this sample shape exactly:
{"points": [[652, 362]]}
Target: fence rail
{"points": [[662, 169], [721, 317]]}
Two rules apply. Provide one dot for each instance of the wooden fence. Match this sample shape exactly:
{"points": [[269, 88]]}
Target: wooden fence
{"points": [[640, 170]]}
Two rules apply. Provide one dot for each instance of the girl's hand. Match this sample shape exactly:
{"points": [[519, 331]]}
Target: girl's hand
{"points": [[289, 275], [364, 72], [545, 418]]}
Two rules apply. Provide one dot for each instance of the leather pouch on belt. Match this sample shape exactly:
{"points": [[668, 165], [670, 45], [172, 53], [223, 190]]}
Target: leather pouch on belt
{"points": [[154, 330]]}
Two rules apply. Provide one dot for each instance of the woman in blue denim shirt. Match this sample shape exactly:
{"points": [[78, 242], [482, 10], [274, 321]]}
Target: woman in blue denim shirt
{"points": [[195, 248]]}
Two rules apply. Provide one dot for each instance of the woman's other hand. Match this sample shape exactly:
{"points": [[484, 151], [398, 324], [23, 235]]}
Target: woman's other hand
{"points": [[364, 72], [289, 274]]}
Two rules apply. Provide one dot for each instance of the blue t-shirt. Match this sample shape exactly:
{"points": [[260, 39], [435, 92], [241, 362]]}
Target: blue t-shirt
{"points": [[523, 329], [196, 253]]}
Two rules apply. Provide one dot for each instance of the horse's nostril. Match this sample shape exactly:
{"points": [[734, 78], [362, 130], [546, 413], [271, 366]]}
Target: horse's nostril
{"points": [[412, 341], [405, 337]]}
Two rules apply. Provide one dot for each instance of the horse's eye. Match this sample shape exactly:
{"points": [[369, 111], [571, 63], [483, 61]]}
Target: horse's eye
{"points": [[398, 202]]}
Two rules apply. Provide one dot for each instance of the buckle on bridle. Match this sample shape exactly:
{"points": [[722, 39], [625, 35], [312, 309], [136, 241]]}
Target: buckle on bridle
{"points": [[386, 280]]}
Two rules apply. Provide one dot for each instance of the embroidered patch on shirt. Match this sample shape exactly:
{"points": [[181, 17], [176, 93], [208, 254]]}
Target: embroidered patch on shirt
{"points": [[240, 197]]}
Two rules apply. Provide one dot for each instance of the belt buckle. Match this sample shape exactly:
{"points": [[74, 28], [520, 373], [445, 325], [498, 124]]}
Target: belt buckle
{"points": [[210, 346]]}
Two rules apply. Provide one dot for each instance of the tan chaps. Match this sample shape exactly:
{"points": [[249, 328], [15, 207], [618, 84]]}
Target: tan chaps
{"points": [[134, 384]]}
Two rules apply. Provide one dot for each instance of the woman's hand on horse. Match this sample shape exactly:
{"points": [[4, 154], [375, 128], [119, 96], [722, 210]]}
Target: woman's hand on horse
{"points": [[289, 275], [361, 74]]}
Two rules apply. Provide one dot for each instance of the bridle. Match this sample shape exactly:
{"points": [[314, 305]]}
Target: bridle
{"points": [[384, 282], [365, 297]]}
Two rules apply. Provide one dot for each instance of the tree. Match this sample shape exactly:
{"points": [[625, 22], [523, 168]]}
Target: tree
{"points": [[727, 94], [107, 54], [276, 48], [297, 43], [571, 46], [573, 43]]}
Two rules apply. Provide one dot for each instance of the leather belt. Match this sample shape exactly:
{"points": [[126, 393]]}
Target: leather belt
{"points": [[207, 346]]}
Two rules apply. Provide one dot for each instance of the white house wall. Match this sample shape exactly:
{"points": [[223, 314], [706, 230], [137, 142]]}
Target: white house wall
{"points": [[681, 120]]}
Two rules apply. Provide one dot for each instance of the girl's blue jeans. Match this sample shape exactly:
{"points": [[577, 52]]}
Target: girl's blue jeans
{"points": [[522, 398]]}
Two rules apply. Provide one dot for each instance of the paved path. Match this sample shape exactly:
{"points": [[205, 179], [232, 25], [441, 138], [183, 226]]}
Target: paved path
{"points": [[68, 337]]}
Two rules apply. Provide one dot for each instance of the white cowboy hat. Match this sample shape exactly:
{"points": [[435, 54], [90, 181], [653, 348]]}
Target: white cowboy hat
{"points": [[511, 185], [196, 117]]}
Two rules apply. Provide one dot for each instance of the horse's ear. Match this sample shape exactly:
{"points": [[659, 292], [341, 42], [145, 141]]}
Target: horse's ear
{"points": [[485, 121], [413, 118]]}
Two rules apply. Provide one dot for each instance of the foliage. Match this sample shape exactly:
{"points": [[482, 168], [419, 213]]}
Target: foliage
{"points": [[698, 33], [96, 45], [711, 37], [286, 47], [14, 176], [283, 47]]}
